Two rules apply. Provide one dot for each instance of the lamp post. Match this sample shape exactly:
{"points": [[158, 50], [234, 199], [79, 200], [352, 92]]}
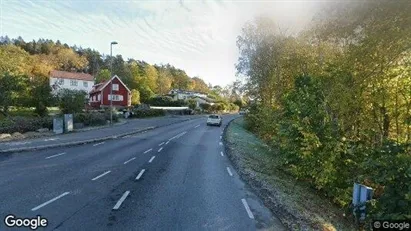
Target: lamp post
{"points": [[111, 83]]}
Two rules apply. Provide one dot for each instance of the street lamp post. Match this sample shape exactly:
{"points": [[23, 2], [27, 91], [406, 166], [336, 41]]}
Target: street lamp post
{"points": [[111, 84]]}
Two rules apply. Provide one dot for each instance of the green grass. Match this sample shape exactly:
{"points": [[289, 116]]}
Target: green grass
{"points": [[295, 202]]}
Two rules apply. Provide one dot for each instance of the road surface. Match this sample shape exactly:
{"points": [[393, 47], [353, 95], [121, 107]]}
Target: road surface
{"points": [[171, 178]]}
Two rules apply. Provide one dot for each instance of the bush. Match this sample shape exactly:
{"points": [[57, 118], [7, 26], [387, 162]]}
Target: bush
{"points": [[165, 101], [71, 101], [147, 113], [24, 124]]}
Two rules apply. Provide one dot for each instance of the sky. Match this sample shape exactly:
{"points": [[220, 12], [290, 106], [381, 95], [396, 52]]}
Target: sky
{"points": [[196, 36]]}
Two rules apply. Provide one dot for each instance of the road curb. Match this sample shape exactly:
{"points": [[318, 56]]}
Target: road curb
{"points": [[74, 143]]}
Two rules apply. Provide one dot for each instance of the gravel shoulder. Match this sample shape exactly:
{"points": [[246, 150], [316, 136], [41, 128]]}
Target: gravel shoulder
{"points": [[296, 204]]}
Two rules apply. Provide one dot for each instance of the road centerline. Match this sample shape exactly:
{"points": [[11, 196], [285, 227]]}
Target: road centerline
{"points": [[161, 143], [152, 158], [50, 201], [140, 174], [159, 150], [149, 150]]}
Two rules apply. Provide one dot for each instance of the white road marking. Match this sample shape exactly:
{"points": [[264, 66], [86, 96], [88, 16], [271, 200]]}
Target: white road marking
{"points": [[221, 133], [221, 137], [229, 171], [17, 143], [95, 178], [221, 153], [140, 174], [50, 201], [197, 126], [119, 202], [167, 142], [98, 144], [250, 214], [149, 150], [151, 160], [55, 155], [51, 139], [128, 136], [161, 144], [159, 150], [220, 143], [129, 160]]}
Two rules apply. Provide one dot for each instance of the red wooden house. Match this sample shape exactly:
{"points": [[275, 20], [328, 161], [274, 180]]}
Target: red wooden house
{"points": [[100, 94]]}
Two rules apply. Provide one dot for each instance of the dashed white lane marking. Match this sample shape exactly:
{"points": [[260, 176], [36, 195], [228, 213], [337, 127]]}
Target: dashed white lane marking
{"points": [[128, 136], [250, 214], [220, 143], [151, 160], [51, 139], [221, 137], [99, 176], [149, 150], [55, 155], [119, 202], [98, 144], [50, 201], [140, 174], [229, 171], [221, 153], [159, 150], [161, 143], [129, 160], [197, 126], [167, 142]]}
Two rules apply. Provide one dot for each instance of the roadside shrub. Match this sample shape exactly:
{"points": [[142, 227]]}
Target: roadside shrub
{"points": [[147, 113], [24, 124], [90, 119]]}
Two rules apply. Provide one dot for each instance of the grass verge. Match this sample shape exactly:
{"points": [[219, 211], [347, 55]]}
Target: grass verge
{"points": [[295, 203]]}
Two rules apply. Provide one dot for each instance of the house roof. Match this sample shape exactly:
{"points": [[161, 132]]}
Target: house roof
{"points": [[100, 86], [71, 75]]}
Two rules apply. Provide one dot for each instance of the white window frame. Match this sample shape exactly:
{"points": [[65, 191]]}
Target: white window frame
{"points": [[74, 83], [115, 87], [60, 81], [116, 98], [85, 84], [98, 97]]}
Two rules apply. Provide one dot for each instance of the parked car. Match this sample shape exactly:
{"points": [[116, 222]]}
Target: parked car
{"points": [[214, 120]]}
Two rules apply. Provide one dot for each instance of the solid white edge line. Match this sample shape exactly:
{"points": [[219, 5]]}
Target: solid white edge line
{"points": [[161, 143], [247, 208], [159, 150], [119, 202], [149, 150], [152, 158], [98, 144], [50, 201], [97, 177], [140, 174], [129, 160], [221, 153], [229, 171], [55, 155]]}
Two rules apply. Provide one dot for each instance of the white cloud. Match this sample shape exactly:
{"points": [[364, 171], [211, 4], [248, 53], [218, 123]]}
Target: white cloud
{"points": [[197, 36]]}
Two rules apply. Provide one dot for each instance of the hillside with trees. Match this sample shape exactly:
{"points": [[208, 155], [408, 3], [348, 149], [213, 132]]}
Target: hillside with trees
{"points": [[25, 66], [334, 101]]}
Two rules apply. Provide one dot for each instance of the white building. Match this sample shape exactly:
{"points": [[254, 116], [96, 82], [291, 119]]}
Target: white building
{"points": [[183, 95], [71, 80]]}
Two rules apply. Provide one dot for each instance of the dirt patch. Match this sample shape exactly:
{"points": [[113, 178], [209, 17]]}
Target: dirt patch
{"points": [[295, 203]]}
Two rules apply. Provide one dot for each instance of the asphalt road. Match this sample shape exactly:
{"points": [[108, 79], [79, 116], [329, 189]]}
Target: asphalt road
{"points": [[170, 178], [131, 125]]}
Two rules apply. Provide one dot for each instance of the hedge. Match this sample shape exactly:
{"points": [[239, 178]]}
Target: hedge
{"points": [[93, 118], [147, 113], [24, 124]]}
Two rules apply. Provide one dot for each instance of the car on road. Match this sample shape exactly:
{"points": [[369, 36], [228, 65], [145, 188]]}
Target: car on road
{"points": [[214, 120]]}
